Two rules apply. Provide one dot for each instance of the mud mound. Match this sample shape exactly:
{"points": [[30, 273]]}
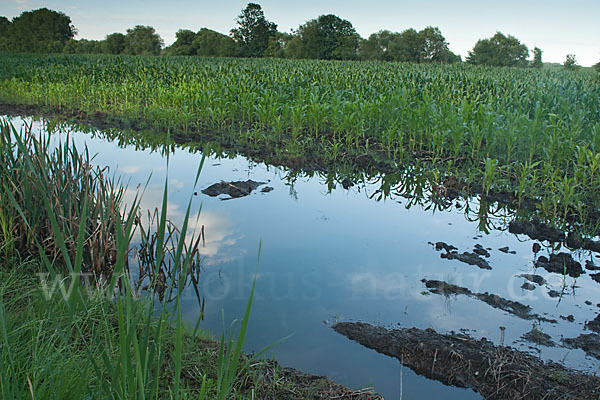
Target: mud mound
{"points": [[512, 307], [234, 189], [497, 372]]}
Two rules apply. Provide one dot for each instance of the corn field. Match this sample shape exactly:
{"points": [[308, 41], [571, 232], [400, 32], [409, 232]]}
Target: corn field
{"points": [[532, 133]]}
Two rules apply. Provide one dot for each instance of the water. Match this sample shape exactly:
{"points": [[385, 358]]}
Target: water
{"points": [[330, 255]]}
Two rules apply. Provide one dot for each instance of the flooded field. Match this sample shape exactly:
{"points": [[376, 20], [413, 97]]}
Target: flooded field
{"points": [[339, 248]]}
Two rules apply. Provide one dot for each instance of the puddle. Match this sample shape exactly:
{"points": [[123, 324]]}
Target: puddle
{"points": [[335, 249]]}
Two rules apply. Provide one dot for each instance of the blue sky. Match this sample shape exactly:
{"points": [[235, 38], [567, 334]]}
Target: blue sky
{"points": [[557, 27]]}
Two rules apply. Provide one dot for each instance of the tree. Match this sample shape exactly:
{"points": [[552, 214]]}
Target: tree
{"points": [[183, 44], [254, 31], [114, 43], [597, 67], [435, 48], [427, 45], [327, 37], [83, 46], [373, 48], [499, 51], [408, 47], [209, 43], [205, 42], [5, 27], [278, 44], [142, 41], [38, 31], [537, 58], [570, 62]]}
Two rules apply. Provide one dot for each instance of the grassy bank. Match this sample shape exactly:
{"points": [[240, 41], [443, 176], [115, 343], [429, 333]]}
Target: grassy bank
{"points": [[38, 362], [529, 133], [72, 322]]}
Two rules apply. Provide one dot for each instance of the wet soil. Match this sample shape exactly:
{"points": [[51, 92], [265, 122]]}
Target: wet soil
{"points": [[534, 278], [590, 266], [234, 189], [561, 263], [575, 241], [538, 337], [537, 230], [569, 317], [588, 342], [512, 307], [474, 258], [264, 379], [594, 325], [496, 372], [507, 250]]}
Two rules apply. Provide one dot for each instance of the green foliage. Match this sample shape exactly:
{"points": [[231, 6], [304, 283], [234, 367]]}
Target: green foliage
{"points": [[537, 58], [435, 47], [428, 45], [37, 31], [327, 37], [499, 51], [114, 43], [5, 26], [83, 46], [277, 45], [254, 31], [597, 67], [570, 62], [345, 113], [205, 42], [142, 41]]}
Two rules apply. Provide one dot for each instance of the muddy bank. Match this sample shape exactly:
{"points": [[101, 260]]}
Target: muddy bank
{"points": [[227, 141], [512, 307], [310, 160], [537, 230], [497, 372]]}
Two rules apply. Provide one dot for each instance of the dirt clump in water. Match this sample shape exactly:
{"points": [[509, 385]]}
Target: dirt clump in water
{"points": [[507, 250], [590, 266], [534, 278], [538, 337], [512, 307], [575, 241], [569, 317], [594, 325], [561, 263], [480, 250], [465, 257], [588, 342], [528, 286], [235, 189], [536, 230], [496, 372]]}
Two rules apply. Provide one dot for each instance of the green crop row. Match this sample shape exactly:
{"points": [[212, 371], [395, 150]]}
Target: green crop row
{"points": [[533, 133]]}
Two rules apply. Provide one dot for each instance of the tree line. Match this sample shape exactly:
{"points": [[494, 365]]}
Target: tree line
{"points": [[327, 37]]}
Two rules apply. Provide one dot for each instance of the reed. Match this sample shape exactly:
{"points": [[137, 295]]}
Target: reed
{"points": [[66, 336]]}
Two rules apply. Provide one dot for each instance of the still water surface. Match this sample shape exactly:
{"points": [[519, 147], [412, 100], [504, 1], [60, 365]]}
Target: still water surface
{"points": [[330, 255]]}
